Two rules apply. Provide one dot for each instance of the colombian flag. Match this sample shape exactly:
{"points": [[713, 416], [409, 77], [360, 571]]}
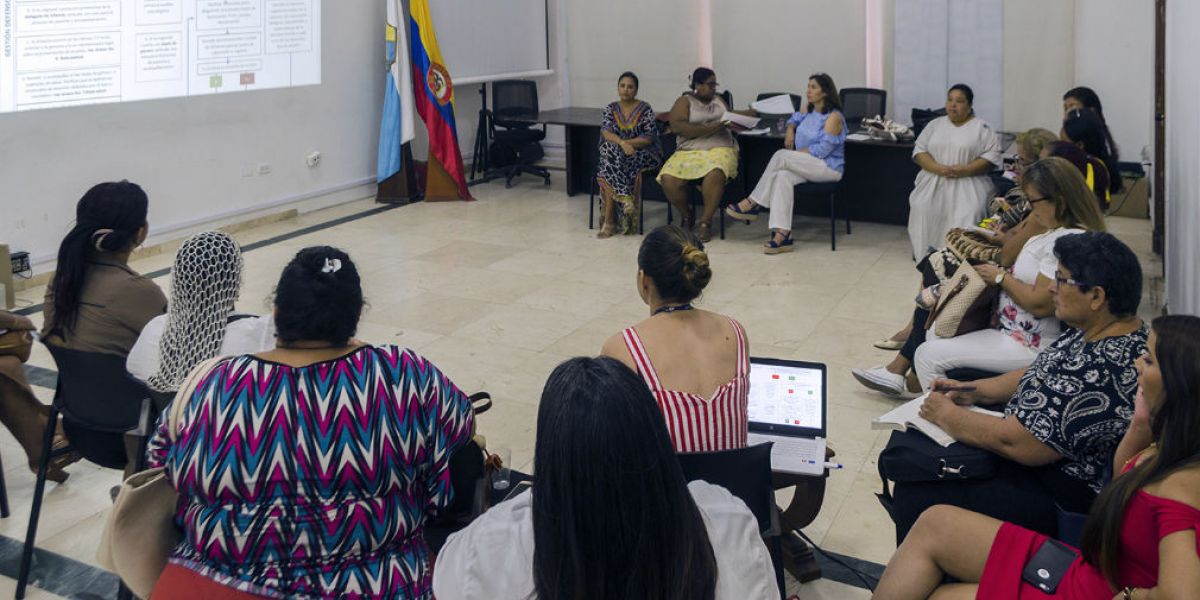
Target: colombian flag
{"points": [[435, 95]]}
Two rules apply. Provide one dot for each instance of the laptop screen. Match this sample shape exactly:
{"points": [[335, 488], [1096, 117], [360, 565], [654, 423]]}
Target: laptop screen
{"points": [[787, 397]]}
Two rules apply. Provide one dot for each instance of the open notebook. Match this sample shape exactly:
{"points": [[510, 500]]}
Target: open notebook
{"points": [[909, 415]]}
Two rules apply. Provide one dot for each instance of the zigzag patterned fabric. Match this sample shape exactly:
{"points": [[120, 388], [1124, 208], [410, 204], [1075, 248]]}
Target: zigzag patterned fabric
{"points": [[315, 481]]}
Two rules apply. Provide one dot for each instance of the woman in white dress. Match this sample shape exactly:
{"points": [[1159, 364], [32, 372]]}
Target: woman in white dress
{"points": [[955, 153]]}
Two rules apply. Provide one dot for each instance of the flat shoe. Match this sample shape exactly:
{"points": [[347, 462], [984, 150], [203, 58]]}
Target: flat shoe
{"points": [[704, 232], [881, 380], [889, 344]]}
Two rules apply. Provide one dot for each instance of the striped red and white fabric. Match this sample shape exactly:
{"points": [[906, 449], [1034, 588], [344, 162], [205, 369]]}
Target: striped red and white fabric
{"points": [[698, 424]]}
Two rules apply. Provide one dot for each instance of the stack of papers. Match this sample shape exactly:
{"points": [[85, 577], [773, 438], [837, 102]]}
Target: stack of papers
{"points": [[775, 105], [740, 120]]}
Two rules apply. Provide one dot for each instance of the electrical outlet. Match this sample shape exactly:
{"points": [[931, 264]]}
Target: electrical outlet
{"points": [[313, 159], [264, 168], [248, 171], [20, 224]]}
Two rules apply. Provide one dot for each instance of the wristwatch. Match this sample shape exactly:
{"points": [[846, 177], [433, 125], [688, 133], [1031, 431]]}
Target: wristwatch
{"points": [[999, 278]]}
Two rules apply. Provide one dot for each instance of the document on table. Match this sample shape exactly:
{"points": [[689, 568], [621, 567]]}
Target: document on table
{"points": [[742, 120], [775, 105], [858, 137]]}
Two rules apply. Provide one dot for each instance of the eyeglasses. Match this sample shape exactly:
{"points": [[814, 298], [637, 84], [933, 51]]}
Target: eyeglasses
{"points": [[1061, 281]]}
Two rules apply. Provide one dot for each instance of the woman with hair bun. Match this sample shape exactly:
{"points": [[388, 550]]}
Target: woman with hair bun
{"points": [[696, 362], [308, 470]]}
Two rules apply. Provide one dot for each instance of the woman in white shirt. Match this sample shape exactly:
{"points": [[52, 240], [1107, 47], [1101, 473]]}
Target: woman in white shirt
{"points": [[955, 152], [1061, 202], [200, 323], [610, 514]]}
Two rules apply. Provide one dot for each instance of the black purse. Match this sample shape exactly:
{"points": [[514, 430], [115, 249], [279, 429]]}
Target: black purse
{"points": [[910, 456]]}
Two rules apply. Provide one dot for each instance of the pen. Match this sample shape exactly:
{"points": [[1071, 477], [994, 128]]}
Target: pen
{"points": [[833, 465], [953, 388]]}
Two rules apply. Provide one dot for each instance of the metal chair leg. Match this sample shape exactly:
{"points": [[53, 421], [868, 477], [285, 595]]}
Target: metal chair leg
{"points": [[36, 510], [832, 224], [4, 512], [592, 206]]}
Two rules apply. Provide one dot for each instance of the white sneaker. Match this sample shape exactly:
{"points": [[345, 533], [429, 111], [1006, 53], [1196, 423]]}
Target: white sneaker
{"points": [[880, 379]]}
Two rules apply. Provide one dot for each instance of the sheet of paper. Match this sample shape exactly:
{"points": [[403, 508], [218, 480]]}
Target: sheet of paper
{"points": [[860, 137], [759, 131], [775, 105], [736, 119]]}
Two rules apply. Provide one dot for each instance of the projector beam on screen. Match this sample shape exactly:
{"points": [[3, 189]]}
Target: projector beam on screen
{"points": [[56, 53]]}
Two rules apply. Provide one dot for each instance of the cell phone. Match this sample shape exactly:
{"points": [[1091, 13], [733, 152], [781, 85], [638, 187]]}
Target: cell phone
{"points": [[517, 489], [1049, 565]]}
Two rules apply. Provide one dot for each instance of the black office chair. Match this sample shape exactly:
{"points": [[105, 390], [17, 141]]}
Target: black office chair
{"points": [[861, 103], [829, 190], [100, 402], [516, 144], [746, 473], [797, 99]]}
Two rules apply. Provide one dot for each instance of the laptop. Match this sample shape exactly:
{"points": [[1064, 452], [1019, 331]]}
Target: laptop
{"points": [[787, 406]]}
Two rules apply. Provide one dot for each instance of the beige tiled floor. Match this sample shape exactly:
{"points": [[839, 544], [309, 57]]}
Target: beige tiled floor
{"points": [[499, 291]]}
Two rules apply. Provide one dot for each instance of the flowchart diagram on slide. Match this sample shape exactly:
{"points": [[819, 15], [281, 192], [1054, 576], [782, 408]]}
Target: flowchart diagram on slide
{"points": [[72, 52]]}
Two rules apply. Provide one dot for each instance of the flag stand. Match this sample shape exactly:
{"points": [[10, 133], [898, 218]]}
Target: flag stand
{"points": [[439, 185], [400, 188]]}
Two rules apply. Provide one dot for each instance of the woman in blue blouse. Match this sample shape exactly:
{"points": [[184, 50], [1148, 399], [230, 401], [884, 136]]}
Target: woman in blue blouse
{"points": [[813, 151]]}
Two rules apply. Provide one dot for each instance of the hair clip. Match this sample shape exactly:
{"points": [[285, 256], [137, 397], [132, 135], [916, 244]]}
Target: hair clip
{"points": [[332, 265], [98, 238]]}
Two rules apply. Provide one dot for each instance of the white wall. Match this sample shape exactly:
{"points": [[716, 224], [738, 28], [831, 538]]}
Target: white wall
{"points": [[1183, 158], [1114, 55], [1039, 50], [657, 39], [190, 153], [777, 44]]}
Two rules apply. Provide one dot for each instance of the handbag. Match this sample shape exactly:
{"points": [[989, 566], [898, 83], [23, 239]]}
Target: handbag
{"points": [[972, 246], [16, 338], [964, 305], [140, 532], [911, 456]]}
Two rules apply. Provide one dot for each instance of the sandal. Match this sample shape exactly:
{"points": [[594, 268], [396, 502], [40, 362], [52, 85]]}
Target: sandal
{"points": [[54, 471], [773, 247], [607, 230], [748, 215], [704, 232]]}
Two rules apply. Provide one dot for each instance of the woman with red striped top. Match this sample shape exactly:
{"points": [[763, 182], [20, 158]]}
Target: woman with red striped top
{"points": [[696, 362]]}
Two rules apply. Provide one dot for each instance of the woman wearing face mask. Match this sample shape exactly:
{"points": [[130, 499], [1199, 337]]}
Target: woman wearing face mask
{"points": [[955, 153], [629, 146]]}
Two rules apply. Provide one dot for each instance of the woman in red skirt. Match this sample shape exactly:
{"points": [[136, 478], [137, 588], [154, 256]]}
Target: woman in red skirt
{"points": [[1140, 541]]}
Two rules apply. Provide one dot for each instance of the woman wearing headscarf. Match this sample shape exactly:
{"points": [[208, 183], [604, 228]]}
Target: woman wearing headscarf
{"points": [[200, 322]]}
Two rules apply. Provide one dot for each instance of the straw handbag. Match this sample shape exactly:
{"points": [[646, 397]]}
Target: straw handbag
{"points": [[965, 304], [140, 532]]}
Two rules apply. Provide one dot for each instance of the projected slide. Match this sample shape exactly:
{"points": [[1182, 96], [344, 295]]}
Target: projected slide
{"points": [[72, 52]]}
